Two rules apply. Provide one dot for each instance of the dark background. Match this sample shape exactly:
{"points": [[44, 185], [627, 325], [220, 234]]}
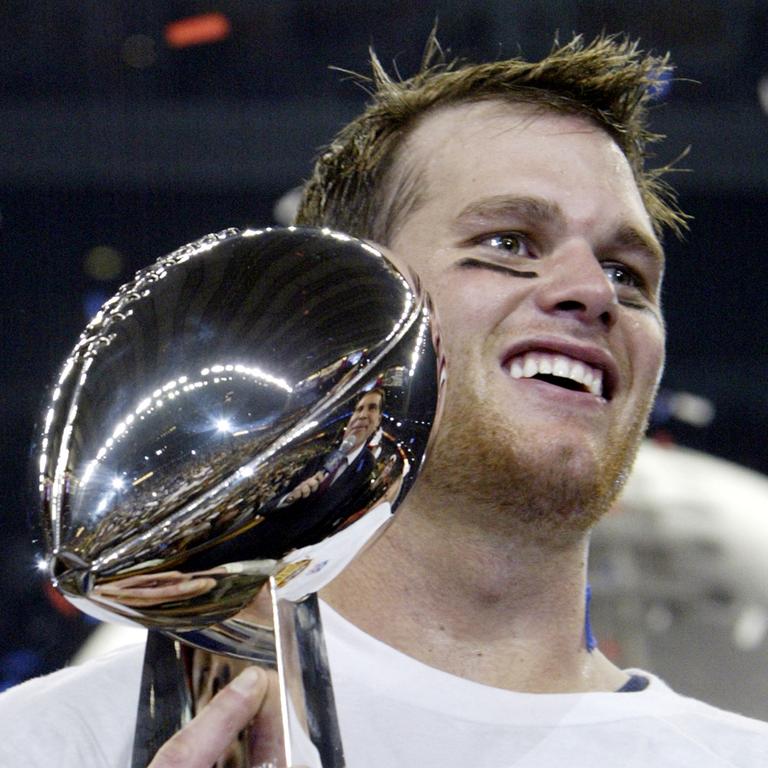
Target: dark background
{"points": [[116, 147]]}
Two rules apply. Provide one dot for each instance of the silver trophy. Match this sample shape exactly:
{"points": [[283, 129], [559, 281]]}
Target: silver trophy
{"points": [[229, 431]]}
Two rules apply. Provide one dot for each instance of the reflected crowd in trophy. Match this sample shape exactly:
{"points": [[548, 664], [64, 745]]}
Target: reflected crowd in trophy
{"points": [[362, 470]]}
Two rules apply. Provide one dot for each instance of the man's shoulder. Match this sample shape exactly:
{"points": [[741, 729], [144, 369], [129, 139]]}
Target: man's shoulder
{"points": [[678, 718], [82, 715], [671, 703], [121, 665]]}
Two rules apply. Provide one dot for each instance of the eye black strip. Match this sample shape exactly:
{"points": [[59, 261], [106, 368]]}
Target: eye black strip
{"points": [[478, 264]]}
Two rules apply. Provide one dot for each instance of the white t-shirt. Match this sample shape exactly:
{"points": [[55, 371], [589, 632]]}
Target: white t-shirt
{"points": [[398, 713]]}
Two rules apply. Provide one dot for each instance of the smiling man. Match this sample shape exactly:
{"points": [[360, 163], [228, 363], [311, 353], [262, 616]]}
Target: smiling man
{"points": [[541, 258], [533, 240], [518, 192]]}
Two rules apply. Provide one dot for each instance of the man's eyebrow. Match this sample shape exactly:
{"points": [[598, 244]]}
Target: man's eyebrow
{"points": [[631, 238], [492, 209], [539, 210]]}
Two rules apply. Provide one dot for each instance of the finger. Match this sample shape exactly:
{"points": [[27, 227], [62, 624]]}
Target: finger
{"points": [[211, 571], [146, 579], [202, 741], [265, 737], [162, 594]]}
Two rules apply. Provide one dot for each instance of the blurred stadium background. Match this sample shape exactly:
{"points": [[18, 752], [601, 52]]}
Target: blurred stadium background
{"points": [[131, 128]]}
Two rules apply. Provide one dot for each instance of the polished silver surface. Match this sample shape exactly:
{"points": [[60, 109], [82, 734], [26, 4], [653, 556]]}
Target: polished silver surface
{"points": [[231, 429], [166, 683]]}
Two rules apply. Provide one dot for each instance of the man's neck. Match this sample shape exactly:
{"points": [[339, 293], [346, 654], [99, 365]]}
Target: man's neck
{"points": [[499, 611]]}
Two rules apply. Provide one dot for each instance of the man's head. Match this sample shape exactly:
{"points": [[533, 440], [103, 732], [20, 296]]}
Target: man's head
{"points": [[365, 418], [364, 184], [523, 205]]}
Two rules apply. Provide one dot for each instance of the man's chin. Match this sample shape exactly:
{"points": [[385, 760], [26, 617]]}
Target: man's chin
{"points": [[553, 486]]}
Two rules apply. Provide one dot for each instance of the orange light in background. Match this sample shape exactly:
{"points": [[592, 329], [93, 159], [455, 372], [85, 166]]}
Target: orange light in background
{"points": [[60, 603], [198, 30]]}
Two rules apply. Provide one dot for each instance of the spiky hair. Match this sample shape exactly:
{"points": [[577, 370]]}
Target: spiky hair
{"points": [[353, 187]]}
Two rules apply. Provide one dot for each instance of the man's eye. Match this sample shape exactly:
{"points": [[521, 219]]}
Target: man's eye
{"points": [[621, 275], [514, 245]]}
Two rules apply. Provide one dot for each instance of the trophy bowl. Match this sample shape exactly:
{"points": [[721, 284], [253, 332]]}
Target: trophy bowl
{"points": [[231, 429]]}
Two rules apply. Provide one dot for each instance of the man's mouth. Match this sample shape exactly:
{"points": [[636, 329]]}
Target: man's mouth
{"points": [[558, 369]]}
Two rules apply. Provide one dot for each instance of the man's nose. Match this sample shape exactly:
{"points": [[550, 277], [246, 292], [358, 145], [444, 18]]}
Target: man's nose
{"points": [[573, 283]]}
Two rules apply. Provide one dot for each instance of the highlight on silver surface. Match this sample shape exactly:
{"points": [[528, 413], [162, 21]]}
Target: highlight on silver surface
{"points": [[231, 429]]}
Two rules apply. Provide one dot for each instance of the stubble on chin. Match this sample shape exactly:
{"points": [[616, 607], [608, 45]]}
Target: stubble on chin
{"points": [[546, 493]]}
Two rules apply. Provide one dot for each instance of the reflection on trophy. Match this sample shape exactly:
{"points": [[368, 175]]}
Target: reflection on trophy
{"points": [[230, 430]]}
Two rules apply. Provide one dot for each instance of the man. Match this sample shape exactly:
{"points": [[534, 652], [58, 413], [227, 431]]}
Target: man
{"points": [[518, 193], [333, 488], [358, 431]]}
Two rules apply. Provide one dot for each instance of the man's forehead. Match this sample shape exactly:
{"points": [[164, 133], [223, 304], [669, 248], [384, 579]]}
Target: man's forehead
{"points": [[489, 117], [426, 157]]}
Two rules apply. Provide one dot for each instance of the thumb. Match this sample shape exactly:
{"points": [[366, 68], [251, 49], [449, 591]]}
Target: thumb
{"points": [[202, 741]]}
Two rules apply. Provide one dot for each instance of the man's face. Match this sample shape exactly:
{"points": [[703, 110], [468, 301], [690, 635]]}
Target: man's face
{"points": [[534, 243], [365, 419]]}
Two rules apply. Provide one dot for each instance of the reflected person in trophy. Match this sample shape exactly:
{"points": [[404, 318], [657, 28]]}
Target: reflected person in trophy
{"points": [[519, 192], [340, 486]]}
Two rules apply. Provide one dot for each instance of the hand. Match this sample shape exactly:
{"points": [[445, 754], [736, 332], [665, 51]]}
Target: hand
{"points": [[252, 696], [303, 489], [157, 588]]}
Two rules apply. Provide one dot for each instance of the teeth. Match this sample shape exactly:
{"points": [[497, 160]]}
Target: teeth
{"points": [[596, 387], [562, 368], [530, 364]]}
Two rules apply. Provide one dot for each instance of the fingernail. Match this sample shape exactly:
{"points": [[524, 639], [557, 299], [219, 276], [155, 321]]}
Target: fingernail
{"points": [[247, 681]]}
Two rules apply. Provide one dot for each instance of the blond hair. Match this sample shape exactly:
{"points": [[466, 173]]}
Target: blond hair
{"points": [[353, 187]]}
